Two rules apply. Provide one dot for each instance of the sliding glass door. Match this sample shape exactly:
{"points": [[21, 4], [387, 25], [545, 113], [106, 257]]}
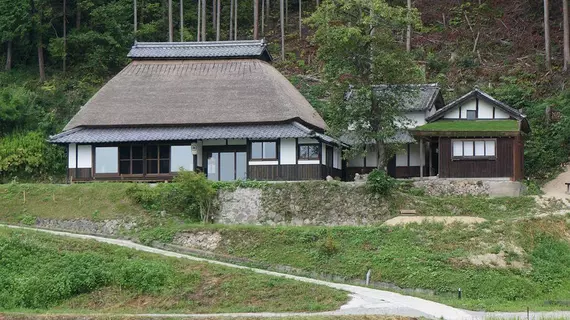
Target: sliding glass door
{"points": [[226, 165]]}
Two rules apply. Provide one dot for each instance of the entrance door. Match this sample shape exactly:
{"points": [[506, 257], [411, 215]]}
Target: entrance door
{"points": [[226, 165]]}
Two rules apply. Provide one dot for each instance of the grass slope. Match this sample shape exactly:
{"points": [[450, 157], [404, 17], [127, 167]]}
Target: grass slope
{"points": [[45, 273], [500, 266]]}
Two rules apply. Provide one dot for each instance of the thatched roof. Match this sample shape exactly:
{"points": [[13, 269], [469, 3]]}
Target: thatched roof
{"points": [[185, 92]]}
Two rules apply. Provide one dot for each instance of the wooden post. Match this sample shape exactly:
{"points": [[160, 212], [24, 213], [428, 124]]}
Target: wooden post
{"points": [[422, 157], [430, 171]]}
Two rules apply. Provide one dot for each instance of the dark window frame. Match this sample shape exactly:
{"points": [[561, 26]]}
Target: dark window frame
{"points": [[473, 157], [263, 142], [158, 159], [474, 112], [301, 145], [131, 159]]}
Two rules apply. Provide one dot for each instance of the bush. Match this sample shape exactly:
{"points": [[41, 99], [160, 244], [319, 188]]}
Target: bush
{"points": [[380, 182], [191, 194]]}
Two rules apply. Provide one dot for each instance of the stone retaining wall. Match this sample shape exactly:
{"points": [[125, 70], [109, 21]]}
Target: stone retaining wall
{"points": [[105, 227], [475, 187]]}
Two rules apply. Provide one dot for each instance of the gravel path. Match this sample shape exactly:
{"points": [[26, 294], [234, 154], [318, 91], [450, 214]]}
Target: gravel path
{"points": [[364, 301]]}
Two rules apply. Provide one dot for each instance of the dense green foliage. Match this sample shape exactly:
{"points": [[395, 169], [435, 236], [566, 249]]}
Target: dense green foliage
{"points": [[191, 193], [47, 272], [380, 182]]}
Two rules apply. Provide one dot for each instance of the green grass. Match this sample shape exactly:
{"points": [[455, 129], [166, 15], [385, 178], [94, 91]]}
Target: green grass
{"points": [[471, 125], [45, 273], [16, 316], [95, 201], [536, 253]]}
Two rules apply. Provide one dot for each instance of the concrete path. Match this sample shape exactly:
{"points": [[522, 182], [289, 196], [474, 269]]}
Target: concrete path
{"points": [[556, 188], [364, 301]]}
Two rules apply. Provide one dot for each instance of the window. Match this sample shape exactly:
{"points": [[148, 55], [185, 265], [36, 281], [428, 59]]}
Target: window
{"points": [[181, 157], [471, 114], [266, 150], [157, 159], [308, 152], [131, 160], [106, 160], [474, 148]]}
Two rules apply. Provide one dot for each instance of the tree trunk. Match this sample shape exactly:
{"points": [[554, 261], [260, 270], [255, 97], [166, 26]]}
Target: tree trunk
{"points": [[255, 19], [41, 59], [409, 31], [267, 17], [547, 58], [381, 154], [235, 19], [286, 13], [213, 14], [203, 20], [218, 10], [566, 35], [170, 26], [199, 11], [231, 19], [135, 16], [262, 18], [318, 3], [300, 20], [78, 15], [64, 37], [281, 15], [181, 20], [8, 55]]}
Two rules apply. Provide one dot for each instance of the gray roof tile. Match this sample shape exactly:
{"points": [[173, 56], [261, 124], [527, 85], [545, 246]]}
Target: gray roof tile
{"points": [[417, 97], [107, 135], [200, 50]]}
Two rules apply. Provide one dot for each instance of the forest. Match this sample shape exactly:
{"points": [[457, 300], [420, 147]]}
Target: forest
{"points": [[57, 53]]}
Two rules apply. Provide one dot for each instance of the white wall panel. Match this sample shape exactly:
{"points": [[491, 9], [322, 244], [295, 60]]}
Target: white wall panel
{"points": [[236, 142], [288, 151], [214, 142], [85, 157], [181, 157], [106, 160], [71, 155]]}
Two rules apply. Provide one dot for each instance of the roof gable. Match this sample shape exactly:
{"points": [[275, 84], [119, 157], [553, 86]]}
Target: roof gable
{"points": [[421, 97], [184, 92], [476, 94], [245, 49]]}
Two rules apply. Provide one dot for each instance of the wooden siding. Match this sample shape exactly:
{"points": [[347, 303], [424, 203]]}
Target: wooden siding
{"points": [[289, 172], [501, 166], [81, 174]]}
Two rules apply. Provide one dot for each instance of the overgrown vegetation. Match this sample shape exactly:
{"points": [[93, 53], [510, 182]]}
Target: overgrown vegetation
{"points": [[502, 265], [380, 182], [44, 272]]}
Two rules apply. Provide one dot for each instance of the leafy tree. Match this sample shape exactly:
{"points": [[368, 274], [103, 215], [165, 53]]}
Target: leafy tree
{"points": [[14, 23], [358, 50]]}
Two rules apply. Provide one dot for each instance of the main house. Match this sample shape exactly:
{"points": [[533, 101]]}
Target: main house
{"points": [[221, 108], [216, 107], [475, 136]]}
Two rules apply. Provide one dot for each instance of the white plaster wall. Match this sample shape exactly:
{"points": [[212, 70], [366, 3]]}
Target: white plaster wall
{"points": [[452, 114], [402, 157], [84, 156], [415, 158], [71, 155], [214, 142], [236, 142], [181, 157], [337, 158], [417, 118], [355, 162], [470, 104], [307, 140], [486, 109], [309, 162], [371, 157], [263, 163], [288, 151]]}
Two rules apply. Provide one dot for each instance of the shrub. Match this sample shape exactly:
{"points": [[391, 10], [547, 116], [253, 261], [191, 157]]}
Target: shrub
{"points": [[380, 182], [191, 194]]}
